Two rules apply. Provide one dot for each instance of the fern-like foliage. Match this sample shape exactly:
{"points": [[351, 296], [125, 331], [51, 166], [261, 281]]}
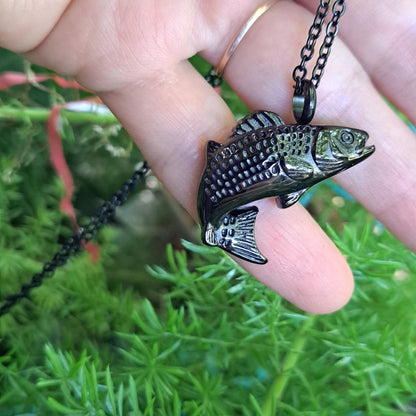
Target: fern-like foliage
{"points": [[194, 334]]}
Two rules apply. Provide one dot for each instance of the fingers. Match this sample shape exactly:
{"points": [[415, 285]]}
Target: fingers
{"points": [[171, 112], [346, 96], [171, 119], [382, 36], [112, 44], [23, 25], [171, 123]]}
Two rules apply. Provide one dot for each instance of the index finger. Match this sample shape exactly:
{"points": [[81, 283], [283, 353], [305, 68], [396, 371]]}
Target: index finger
{"points": [[175, 122], [171, 114]]}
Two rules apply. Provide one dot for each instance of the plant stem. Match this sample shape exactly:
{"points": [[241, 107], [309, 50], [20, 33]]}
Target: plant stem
{"points": [[25, 114], [279, 384]]}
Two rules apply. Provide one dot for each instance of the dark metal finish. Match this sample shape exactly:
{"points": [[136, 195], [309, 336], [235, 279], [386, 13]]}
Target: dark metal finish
{"points": [[264, 157], [213, 77], [304, 103], [338, 11], [77, 242], [307, 52], [304, 96]]}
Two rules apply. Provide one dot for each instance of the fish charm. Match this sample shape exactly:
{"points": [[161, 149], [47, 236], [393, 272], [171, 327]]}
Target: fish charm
{"points": [[264, 157]]}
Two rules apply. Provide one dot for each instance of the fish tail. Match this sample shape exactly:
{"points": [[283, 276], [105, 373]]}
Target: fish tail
{"points": [[235, 234]]}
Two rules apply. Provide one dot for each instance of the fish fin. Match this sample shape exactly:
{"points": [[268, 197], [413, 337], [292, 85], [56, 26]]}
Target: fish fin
{"points": [[330, 166], [255, 121], [274, 169], [297, 169], [236, 234], [209, 236], [285, 201], [212, 147]]}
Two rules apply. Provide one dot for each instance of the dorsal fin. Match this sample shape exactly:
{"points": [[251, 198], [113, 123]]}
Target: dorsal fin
{"points": [[255, 121], [212, 147]]}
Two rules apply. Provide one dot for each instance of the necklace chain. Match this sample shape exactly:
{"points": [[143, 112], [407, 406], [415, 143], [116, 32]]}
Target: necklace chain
{"points": [[307, 52], [77, 242]]}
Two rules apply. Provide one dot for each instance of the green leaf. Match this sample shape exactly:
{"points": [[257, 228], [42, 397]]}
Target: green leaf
{"points": [[132, 396], [120, 399], [60, 408], [110, 398]]}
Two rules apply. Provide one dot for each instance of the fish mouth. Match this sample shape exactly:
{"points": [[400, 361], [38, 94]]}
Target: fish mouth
{"points": [[361, 155], [362, 151], [366, 151]]}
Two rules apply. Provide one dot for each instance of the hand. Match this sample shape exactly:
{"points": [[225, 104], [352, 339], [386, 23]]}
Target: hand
{"points": [[134, 55]]}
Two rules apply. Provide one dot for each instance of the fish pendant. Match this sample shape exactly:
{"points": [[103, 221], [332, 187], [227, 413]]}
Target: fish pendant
{"points": [[264, 157]]}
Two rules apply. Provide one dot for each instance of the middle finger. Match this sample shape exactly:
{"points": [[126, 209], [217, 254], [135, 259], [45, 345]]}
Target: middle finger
{"points": [[260, 72]]}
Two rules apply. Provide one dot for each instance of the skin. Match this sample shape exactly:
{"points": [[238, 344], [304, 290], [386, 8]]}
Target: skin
{"points": [[134, 55]]}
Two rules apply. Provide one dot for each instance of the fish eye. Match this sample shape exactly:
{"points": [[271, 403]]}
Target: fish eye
{"points": [[347, 137]]}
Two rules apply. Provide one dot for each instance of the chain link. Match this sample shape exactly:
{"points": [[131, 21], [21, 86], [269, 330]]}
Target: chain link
{"points": [[307, 52], [77, 242], [86, 233], [213, 77]]}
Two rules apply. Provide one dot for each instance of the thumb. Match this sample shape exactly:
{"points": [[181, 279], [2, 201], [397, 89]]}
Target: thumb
{"points": [[25, 24]]}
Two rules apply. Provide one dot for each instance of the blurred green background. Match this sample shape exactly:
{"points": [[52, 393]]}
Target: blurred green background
{"points": [[161, 325]]}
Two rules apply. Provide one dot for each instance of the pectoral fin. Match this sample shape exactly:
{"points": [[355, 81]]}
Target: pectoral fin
{"points": [[235, 234], [297, 169], [285, 201]]}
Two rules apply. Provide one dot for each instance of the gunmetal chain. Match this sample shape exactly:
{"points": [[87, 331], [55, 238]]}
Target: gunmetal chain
{"points": [[213, 78], [299, 73], [86, 233], [77, 242]]}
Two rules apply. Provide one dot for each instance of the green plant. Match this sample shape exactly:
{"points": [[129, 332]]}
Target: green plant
{"points": [[194, 334], [220, 343]]}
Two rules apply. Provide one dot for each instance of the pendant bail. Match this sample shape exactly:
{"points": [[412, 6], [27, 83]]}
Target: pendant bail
{"points": [[304, 102]]}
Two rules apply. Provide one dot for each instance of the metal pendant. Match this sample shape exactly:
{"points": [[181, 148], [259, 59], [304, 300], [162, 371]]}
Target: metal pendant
{"points": [[264, 157]]}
